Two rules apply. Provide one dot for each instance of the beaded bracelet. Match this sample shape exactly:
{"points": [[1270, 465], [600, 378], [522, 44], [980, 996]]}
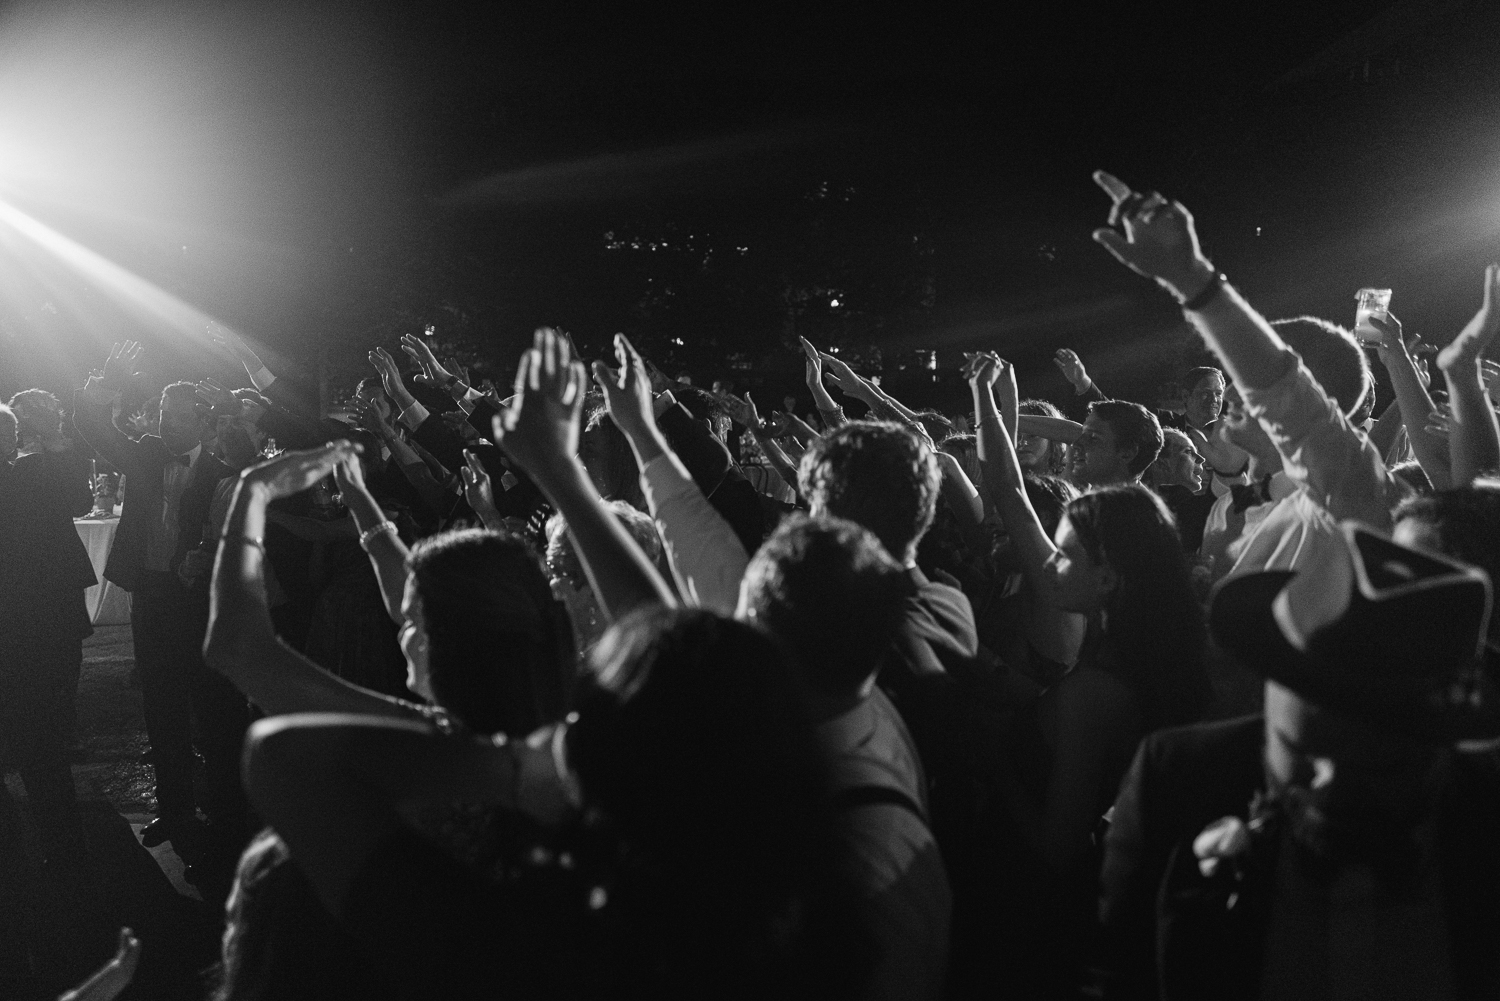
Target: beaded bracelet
{"points": [[369, 534]]}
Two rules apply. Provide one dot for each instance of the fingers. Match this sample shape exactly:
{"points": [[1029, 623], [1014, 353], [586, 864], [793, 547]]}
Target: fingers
{"points": [[607, 378], [1491, 279], [472, 465], [523, 381], [809, 350], [1117, 189], [1115, 243]]}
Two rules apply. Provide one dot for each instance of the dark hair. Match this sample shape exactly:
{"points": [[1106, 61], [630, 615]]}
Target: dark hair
{"points": [[704, 406], [935, 419], [1333, 357], [1413, 475], [1154, 633], [1467, 520], [878, 475], [831, 595], [1134, 426], [500, 650], [1039, 408], [371, 381], [609, 458], [692, 741], [1050, 497], [279, 941], [22, 405], [1198, 374]]}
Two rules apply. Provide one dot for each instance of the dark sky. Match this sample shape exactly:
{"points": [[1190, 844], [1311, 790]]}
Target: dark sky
{"points": [[331, 165]]}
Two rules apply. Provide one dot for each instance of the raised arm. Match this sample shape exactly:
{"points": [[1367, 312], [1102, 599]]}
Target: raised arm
{"points": [[377, 535], [831, 412], [539, 431], [93, 408], [1475, 440], [706, 555], [1004, 480], [1320, 449], [1413, 400], [241, 643]]}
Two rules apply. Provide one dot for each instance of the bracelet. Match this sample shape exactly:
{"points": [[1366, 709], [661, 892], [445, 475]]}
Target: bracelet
{"points": [[1206, 296], [369, 534], [243, 540]]}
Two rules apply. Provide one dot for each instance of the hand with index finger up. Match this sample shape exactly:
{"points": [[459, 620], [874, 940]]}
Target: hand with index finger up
{"points": [[539, 430], [1156, 238]]}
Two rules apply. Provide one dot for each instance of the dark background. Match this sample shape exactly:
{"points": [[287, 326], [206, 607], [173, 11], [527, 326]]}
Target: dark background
{"points": [[325, 177]]}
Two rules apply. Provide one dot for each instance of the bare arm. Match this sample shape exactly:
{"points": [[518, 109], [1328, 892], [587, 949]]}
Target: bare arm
{"points": [[377, 535], [813, 374], [539, 431], [1414, 402], [241, 643], [1475, 440]]}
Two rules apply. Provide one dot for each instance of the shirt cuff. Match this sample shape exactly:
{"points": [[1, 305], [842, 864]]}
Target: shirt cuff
{"points": [[413, 416], [473, 395], [261, 378], [663, 478], [666, 401]]}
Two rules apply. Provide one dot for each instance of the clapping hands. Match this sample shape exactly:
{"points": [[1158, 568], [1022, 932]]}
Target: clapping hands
{"points": [[293, 472]]}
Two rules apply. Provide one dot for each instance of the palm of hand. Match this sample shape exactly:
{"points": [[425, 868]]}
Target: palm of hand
{"points": [[1480, 332]]}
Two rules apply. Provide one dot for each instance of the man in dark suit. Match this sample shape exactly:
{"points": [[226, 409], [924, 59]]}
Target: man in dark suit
{"points": [[44, 571], [1346, 838], [160, 556]]}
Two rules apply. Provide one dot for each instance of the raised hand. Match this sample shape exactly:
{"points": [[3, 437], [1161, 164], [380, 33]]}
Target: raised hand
{"points": [[841, 375], [627, 391], [376, 421], [478, 490], [540, 428], [1479, 334], [390, 378], [743, 410], [235, 346], [1071, 366], [293, 472], [120, 366], [983, 369], [1159, 240], [813, 374], [348, 473], [216, 396], [433, 373]]}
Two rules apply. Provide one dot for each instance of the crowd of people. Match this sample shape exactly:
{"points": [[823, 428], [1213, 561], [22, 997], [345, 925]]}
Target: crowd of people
{"points": [[615, 687]]}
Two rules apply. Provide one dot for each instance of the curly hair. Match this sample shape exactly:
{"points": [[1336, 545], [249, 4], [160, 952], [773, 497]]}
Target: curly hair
{"points": [[878, 475], [1333, 357]]}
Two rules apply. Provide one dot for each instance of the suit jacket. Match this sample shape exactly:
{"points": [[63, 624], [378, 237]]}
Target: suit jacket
{"points": [[44, 566], [143, 462], [1169, 939]]}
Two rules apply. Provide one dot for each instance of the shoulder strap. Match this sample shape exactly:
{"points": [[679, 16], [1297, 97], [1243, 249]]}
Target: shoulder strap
{"points": [[854, 797]]}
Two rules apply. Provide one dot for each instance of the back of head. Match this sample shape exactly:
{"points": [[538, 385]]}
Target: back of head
{"points": [[1050, 497], [691, 740], [965, 448], [1333, 357], [1133, 425], [34, 408], [1154, 631], [831, 596], [280, 944], [607, 455], [500, 652], [878, 475], [562, 559], [704, 407], [1463, 523], [1039, 408]]}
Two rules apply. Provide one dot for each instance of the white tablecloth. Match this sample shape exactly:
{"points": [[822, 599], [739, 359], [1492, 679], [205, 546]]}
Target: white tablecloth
{"points": [[108, 604]]}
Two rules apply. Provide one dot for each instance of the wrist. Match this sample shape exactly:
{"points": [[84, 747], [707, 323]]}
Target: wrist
{"points": [[1193, 282], [1079, 388]]}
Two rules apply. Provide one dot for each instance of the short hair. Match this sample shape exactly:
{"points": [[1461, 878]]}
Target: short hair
{"points": [[878, 475], [1467, 521], [1333, 357], [1174, 433], [830, 595], [24, 407], [1133, 425], [500, 650], [180, 390], [1199, 373], [1413, 475], [253, 395], [704, 406]]}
